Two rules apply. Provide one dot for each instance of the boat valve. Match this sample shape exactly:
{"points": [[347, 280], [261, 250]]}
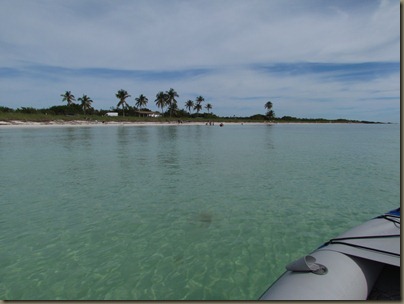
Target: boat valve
{"points": [[307, 264]]}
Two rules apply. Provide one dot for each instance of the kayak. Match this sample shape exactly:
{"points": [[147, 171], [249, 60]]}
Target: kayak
{"points": [[361, 264]]}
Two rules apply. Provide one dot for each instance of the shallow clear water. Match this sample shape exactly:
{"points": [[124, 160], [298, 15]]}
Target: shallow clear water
{"points": [[181, 212]]}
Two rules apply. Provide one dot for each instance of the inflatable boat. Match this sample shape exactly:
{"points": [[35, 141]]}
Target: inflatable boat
{"points": [[361, 264]]}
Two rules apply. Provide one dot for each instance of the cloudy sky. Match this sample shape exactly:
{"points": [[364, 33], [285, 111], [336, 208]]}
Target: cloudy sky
{"points": [[310, 58]]}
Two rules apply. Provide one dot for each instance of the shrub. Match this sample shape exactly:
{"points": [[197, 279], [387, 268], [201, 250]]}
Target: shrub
{"points": [[66, 110], [27, 110], [258, 117], [6, 110]]}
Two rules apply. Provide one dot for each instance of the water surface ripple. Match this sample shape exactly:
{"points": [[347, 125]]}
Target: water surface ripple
{"points": [[181, 212]]}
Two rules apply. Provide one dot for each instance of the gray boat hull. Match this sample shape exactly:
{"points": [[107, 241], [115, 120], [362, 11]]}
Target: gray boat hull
{"points": [[345, 268]]}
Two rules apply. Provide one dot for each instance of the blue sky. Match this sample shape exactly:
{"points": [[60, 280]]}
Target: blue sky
{"points": [[310, 58]]}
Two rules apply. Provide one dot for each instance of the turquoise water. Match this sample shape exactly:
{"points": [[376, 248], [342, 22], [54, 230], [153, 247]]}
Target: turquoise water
{"points": [[181, 212]]}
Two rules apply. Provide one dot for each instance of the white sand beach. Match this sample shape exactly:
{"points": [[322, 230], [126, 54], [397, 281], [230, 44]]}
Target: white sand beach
{"points": [[83, 123]]}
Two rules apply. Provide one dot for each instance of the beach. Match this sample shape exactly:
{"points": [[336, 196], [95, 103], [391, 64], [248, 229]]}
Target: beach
{"points": [[91, 123], [84, 123]]}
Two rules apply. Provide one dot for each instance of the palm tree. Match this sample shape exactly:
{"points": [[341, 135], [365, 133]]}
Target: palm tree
{"points": [[189, 104], [171, 94], [268, 105], [173, 108], [69, 97], [198, 107], [208, 107], [141, 101], [85, 103], [270, 113], [122, 95], [161, 101], [200, 99]]}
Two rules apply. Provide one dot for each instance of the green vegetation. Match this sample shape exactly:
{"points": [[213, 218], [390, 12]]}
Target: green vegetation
{"points": [[141, 101], [85, 103], [198, 105], [68, 97], [171, 101], [140, 113], [270, 113], [65, 113], [122, 95]]}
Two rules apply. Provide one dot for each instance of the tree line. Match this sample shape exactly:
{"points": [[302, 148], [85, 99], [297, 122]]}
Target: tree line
{"points": [[166, 101], [163, 100]]}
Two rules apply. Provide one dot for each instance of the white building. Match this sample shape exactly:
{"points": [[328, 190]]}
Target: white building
{"points": [[112, 114]]}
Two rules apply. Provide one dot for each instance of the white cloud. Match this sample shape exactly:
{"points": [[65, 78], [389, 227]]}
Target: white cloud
{"points": [[167, 34], [225, 36]]}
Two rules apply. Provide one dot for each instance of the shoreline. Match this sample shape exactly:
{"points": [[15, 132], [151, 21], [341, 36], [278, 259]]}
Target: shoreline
{"points": [[82, 123], [95, 123]]}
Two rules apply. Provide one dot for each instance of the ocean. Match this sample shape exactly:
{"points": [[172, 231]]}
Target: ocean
{"points": [[187, 212]]}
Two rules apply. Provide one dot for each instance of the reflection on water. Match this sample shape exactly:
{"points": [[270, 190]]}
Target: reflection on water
{"points": [[70, 136], [269, 137], [168, 152], [123, 145]]}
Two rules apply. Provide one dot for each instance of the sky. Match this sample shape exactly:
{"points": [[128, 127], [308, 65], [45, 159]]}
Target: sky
{"points": [[311, 58]]}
